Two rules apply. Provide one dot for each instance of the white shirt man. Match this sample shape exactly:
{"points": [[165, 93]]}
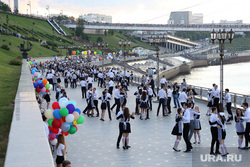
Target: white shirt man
{"points": [[162, 94], [216, 93], [186, 116], [90, 80], [83, 83], [163, 81], [183, 97]]}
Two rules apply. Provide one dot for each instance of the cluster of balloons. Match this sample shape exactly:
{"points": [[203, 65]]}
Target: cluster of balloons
{"points": [[32, 63], [63, 119]]}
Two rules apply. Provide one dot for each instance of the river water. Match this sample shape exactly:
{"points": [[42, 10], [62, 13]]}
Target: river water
{"points": [[236, 77]]}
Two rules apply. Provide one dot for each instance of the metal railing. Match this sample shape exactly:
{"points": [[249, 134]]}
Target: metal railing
{"points": [[237, 99]]}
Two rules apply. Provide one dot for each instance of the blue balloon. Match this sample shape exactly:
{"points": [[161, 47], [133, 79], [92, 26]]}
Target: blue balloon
{"points": [[71, 124], [78, 110], [39, 82], [41, 85], [57, 114], [33, 71], [39, 76], [65, 127], [35, 85], [72, 102], [42, 93]]}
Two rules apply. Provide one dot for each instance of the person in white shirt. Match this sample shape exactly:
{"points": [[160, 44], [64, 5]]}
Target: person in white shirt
{"points": [[111, 85], [246, 118], [121, 123], [95, 100], [184, 84], [214, 131], [186, 127], [108, 104], [150, 96], [183, 97], [90, 81], [169, 91], [46, 126], [228, 102], [192, 113], [60, 150], [117, 97], [163, 81], [162, 95], [216, 95], [83, 84]]}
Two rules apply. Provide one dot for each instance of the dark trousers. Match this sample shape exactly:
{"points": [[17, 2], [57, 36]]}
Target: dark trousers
{"points": [[186, 127], [154, 91], [96, 106], [137, 101], [84, 92], [74, 83], [216, 104], [161, 103], [247, 131], [214, 132], [150, 102], [229, 109], [169, 104], [108, 104], [120, 134], [117, 104], [111, 90]]}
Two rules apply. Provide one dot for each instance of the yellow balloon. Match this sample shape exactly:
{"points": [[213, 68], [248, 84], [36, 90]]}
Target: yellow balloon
{"points": [[74, 122], [85, 53], [95, 53]]}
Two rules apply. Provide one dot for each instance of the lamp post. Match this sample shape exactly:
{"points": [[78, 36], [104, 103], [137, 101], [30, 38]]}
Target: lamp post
{"points": [[102, 45], [29, 4], [221, 36], [157, 42], [124, 44]]}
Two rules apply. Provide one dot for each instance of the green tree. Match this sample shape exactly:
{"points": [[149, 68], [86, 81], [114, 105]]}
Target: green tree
{"points": [[99, 39], [4, 7], [80, 27], [16, 11]]}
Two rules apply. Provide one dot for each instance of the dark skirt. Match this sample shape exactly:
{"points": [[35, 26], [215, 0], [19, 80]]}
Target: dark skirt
{"points": [[144, 105], [209, 104], [240, 133], [128, 128], [59, 159], [221, 134], [103, 106], [47, 98], [197, 124], [175, 131]]}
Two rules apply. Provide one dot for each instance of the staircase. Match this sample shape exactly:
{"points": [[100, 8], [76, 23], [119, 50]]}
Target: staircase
{"points": [[161, 61], [128, 66], [58, 29]]}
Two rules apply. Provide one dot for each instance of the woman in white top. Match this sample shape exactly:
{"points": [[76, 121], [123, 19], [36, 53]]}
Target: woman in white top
{"points": [[60, 150]]}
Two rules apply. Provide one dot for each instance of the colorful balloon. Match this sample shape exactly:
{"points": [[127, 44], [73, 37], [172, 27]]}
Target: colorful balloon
{"points": [[53, 142], [56, 114], [55, 105], [56, 123], [63, 102], [45, 81], [70, 118], [64, 112], [80, 120], [47, 86], [71, 108], [50, 122], [72, 130], [49, 114], [72, 102], [65, 127], [76, 115], [78, 110], [52, 136]]}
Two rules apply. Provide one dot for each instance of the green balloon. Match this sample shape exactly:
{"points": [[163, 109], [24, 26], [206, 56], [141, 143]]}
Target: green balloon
{"points": [[47, 86], [30, 62], [77, 52], [80, 120], [50, 122], [100, 52], [72, 130], [64, 112], [36, 92]]}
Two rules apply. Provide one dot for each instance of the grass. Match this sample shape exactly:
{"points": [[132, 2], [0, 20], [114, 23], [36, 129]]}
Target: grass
{"points": [[238, 44], [8, 85]]}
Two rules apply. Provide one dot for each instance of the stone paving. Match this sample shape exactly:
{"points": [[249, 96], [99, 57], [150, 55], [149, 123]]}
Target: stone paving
{"points": [[151, 141]]}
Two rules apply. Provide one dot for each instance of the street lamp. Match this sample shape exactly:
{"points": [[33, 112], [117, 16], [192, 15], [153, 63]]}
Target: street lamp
{"points": [[157, 41], [29, 4], [124, 43], [102, 45], [221, 36]]}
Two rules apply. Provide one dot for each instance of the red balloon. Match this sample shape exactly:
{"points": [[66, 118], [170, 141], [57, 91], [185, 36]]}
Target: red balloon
{"points": [[63, 119], [56, 123], [66, 133], [54, 130], [47, 90], [52, 136], [55, 105], [38, 90]]}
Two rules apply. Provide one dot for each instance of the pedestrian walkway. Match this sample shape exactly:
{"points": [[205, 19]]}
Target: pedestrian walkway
{"points": [[151, 141]]}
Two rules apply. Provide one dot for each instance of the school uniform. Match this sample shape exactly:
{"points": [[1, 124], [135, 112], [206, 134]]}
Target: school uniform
{"points": [[186, 127], [117, 97], [150, 96], [228, 103], [162, 95], [108, 104], [197, 123], [221, 130], [214, 132], [137, 101], [247, 130], [169, 91], [144, 103], [183, 98], [111, 85], [239, 126], [83, 88], [192, 113], [95, 100], [177, 130], [119, 117]]}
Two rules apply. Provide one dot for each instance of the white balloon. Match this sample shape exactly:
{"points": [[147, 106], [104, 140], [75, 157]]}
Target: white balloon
{"points": [[53, 142], [49, 114], [51, 86], [63, 102], [70, 118]]}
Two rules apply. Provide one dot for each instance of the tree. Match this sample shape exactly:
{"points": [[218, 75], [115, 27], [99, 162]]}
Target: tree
{"points": [[4, 7], [111, 32], [80, 27], [16, 11], [99, 39]]}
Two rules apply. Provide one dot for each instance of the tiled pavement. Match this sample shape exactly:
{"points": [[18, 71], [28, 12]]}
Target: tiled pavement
{"points": [[94, 144]]}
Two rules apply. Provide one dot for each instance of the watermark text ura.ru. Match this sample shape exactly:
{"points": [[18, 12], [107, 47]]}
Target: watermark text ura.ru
{"points": [[219, 158]]}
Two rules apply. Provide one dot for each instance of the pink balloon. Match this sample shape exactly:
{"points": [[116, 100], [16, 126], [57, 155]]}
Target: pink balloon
{"points": [[36, 74], [76, 115], [43, 90]]}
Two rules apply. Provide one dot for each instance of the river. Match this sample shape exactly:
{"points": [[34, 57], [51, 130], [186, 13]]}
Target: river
{"points": [[236, 77]]}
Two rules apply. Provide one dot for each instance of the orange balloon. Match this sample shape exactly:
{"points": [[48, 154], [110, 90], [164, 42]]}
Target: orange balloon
{"points": [[74, 52], [100, 58], [45, 81]]}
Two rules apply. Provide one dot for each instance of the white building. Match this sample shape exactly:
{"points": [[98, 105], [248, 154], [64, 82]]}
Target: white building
{"points": [[225, 22], [197, 18], [93, 18]]}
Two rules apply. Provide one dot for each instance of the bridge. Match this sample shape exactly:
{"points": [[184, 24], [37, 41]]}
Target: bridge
{"points": [[163, 27]]}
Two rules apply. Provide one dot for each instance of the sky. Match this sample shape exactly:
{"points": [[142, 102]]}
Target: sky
{"points": [[141, 11]]}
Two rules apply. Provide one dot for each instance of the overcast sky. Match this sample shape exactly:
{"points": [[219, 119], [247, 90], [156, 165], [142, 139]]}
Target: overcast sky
{"points": [[142, 11]]}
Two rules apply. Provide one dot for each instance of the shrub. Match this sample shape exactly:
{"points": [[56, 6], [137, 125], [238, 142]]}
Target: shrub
{"points": [[16, 61], [9, 43], [5, 47]]}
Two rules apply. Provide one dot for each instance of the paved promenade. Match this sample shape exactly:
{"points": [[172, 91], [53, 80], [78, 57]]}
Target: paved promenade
{"points": [[151, 141]]}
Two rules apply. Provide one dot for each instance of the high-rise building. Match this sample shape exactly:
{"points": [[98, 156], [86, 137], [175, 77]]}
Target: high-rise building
{"points": [[185, 17], [180, 17], [100, 18], [15, 5], [197, 18]]}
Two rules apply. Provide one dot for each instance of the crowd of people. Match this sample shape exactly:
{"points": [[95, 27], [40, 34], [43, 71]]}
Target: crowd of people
{"points": [[115, 84]]}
